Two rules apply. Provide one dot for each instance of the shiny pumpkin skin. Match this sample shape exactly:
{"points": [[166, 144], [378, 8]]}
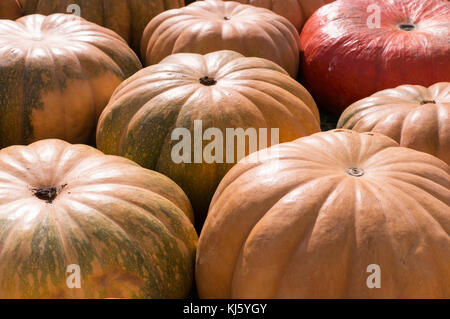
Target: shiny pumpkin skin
{"points": [[415, 116], [127, 227], [296, 11], [57, 74], [10, 9], [307, 221], [249, 93], [208, 26], [127, 18], [344, 58]]}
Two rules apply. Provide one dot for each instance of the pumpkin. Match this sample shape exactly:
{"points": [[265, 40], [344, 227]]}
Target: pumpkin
{"points": [[314, 218], [10, 9], [127, 18], [296, 11], [414, 116], [57, 74], [352, 49], [209, 26], [310, 6], [221, 91], [64, 207]]}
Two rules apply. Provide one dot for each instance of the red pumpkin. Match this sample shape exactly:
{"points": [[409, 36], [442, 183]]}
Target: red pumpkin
{"points": [[347, 55], [10, 9], [208, 26]]}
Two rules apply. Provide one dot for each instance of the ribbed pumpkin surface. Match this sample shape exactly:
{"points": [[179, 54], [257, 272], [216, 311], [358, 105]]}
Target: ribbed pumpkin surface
{"points": [[415, 116], [308, 218], [296, 11], [224, 90], [208, 26], [290, 9], [128, 18], [126, 227], [57, 74]]}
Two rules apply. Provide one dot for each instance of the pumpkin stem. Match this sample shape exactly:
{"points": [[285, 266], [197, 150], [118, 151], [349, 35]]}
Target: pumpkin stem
{"points": [[207, 81], [48, 194], [406, 26], [427, 102], [354, 171]]}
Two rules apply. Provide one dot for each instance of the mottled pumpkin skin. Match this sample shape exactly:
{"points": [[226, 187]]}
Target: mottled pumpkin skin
{"points": [[10, 9], [310, 216], [296, 11], [127, 227], [248, 93], [415, 116], [346, 57], [57, 74], [208, 26], [128, 18]]}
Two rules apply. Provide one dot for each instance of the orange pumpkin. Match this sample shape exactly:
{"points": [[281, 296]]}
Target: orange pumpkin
{"points": [[296, 11], [69, 211], [57, 74], [127, 18], [10, 9], [315, 217], [208, 26], [310, 6], [413, 115], [224, 90]]}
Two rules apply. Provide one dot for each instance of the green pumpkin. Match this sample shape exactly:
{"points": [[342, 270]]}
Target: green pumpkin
{"points": [[75, 223], [57, 74], [222, 90]]}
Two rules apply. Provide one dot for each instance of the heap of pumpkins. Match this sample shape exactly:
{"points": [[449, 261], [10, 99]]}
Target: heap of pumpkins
{"points": [[94, 101]]}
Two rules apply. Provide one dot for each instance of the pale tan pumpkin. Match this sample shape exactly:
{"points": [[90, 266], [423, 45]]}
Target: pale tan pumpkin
{"points": [[127, 18], [208, 26], [296, 11], [57, 74], [413, 115], [128, 229], [224, 90], [305, 220]]}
